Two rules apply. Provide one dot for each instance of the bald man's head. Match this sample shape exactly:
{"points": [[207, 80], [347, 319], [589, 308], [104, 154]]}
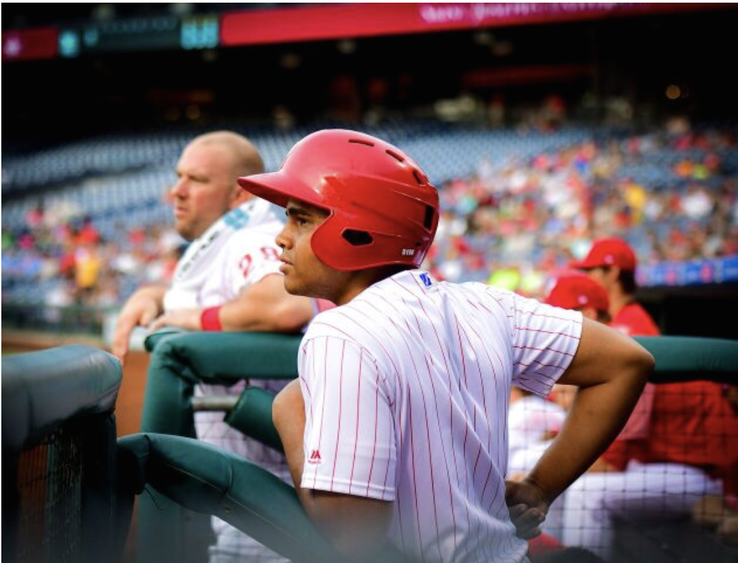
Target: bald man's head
{"points": [[244, 155], [207, 189]]}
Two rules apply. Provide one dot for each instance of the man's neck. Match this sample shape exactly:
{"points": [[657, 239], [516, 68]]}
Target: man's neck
{"points": [[362, 279], [619, 299]]}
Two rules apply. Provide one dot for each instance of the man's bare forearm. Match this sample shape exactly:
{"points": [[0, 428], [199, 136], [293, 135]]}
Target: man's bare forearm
{"points": [[288, 413], [611, 370]]}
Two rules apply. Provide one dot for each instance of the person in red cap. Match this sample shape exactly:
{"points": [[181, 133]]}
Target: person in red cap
{"points": [[577, 291], [396, 430], [675, 446], [612, 263]]}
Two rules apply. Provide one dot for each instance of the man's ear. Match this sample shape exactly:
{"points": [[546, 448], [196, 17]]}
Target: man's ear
{"points": [[239, 196]]}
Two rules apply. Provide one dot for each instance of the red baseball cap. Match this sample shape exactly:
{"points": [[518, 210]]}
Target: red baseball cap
{"points": [[608, 252], [575, 290]]}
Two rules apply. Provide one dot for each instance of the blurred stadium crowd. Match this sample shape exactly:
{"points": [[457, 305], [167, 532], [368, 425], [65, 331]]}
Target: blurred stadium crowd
{"points": [[518, 203]]}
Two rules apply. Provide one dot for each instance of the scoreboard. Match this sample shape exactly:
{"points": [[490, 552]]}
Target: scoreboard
{"points": [[140, 34], [122, 35]]}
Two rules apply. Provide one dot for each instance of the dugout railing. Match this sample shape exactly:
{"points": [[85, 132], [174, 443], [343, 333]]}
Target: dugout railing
{"points": [[59, 462], [212, 481]]}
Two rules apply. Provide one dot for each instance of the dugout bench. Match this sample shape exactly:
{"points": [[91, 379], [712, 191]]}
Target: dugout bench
{"points": [[213, 481]]}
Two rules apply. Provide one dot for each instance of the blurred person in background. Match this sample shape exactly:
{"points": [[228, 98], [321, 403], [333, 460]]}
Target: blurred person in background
{"points": [[579, 292], [678, 446], [612, 263], [228, 279], [720, 512]]}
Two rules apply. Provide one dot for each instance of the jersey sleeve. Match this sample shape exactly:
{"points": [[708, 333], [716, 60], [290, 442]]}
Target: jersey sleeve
{"points": [[544, 341], [349, 442], [252, 255]]}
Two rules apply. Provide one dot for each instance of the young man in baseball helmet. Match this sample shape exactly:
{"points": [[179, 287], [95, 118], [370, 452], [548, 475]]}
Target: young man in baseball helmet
{"points": [[395, 431]]}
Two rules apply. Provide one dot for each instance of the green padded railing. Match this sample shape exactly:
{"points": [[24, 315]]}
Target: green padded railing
{"points": [[225, 356], [42, 390], [59, 457], [179, 360], [688, 358], [207, 479]]}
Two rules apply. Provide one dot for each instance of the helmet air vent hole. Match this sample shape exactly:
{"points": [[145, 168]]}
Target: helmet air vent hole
{"points": [[430, 213], [361, 142], [394, 155], [357, 238], [418, 177]]}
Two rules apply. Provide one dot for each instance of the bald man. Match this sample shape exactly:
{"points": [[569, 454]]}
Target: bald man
{"points": [[204, 194], [227, 280]]}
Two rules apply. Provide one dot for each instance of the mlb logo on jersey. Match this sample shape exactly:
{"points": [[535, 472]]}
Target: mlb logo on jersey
{"points": [[426, 279], [315, 457]]}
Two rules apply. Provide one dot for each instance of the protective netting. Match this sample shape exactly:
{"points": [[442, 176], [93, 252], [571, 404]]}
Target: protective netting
{"points": [[664, 491], [49, 486]]}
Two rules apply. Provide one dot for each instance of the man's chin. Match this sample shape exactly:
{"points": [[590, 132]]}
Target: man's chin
{"points": [[293, 288], [298, 289], [183, 231]]}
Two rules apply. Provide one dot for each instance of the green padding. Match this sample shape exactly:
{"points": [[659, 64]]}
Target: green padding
{"points": [[686, 358], [252, 415], [41, 390], [236, 355], [153, 340], [214, 481]]}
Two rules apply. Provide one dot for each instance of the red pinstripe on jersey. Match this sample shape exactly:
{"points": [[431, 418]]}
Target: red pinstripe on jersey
{"points": [[412, 382]]}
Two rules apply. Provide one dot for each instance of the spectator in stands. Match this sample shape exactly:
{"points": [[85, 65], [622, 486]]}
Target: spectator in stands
{"points": [[88, 264], [227, 279], [8, 240]]}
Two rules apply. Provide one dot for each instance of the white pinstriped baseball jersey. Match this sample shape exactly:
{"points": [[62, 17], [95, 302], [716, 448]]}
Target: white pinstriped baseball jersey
{"points": [[406, 393]]}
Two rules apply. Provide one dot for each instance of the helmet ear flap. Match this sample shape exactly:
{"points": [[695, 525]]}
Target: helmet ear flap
{"points": [[329, 245]]}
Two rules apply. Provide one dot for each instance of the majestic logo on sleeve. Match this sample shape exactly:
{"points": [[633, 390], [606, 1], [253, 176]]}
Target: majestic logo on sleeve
{"points": [[426, 279], [315, 458]]}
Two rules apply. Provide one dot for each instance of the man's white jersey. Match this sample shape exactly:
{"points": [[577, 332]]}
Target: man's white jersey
{"points": [[406, 393], [249, 255]]}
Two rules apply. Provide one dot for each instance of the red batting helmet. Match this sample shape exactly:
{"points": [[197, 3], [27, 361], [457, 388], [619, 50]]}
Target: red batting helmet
{"points": [[382, 208]]}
